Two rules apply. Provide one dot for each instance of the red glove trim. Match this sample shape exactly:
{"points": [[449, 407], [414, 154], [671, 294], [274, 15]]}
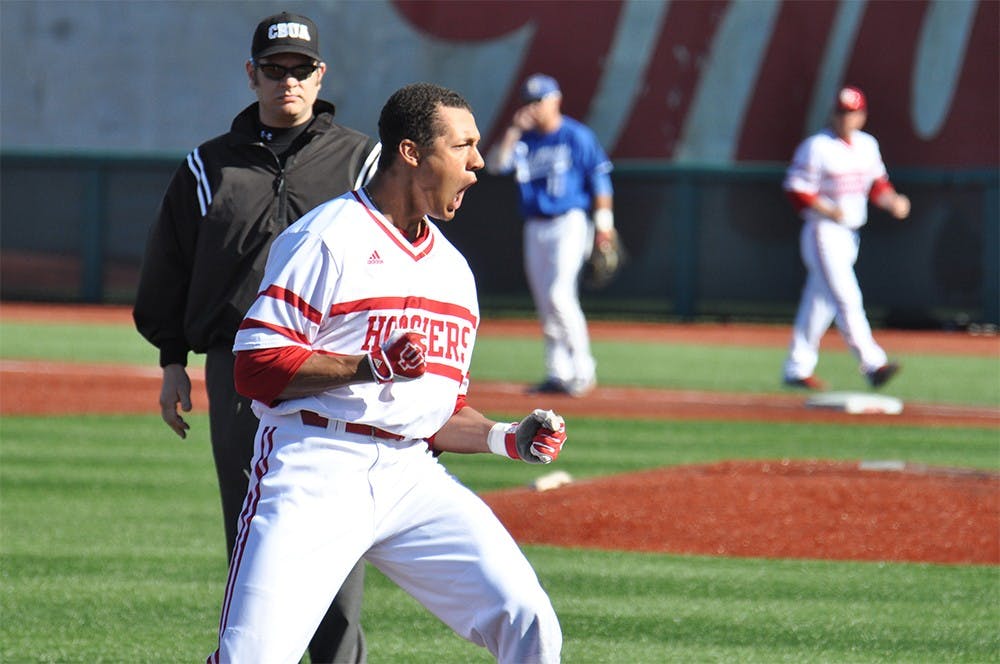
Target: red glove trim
{"points": [[264, 373], [510, 442]]}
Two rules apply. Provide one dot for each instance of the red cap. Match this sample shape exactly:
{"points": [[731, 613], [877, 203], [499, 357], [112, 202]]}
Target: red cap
{"points": [[851, 99]]}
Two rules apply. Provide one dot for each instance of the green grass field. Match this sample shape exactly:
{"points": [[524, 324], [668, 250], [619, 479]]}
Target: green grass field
{"points": [[111, 543], [934, 378]]}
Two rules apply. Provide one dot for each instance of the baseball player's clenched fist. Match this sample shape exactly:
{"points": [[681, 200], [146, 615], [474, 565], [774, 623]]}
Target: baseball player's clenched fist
{"points": [[402, 356], [900, 207], [538, 438]]}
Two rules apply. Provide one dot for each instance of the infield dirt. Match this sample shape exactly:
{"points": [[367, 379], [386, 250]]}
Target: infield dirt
{"points": [[772, 509]]}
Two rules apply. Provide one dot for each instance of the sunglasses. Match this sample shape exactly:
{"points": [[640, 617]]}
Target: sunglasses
{"points": [[277, 72]]}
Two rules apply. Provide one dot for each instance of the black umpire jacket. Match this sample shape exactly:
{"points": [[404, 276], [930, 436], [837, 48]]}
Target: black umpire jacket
{"points": [[226, 203]]}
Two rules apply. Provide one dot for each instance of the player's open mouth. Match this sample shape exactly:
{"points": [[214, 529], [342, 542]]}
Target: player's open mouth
{"points": [[457, 201]]}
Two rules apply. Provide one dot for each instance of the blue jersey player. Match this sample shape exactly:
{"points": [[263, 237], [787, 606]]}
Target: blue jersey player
{"points": [[563, 176]]}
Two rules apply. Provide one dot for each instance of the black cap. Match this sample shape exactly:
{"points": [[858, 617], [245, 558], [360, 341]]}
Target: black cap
{"points": [[285, 33]]}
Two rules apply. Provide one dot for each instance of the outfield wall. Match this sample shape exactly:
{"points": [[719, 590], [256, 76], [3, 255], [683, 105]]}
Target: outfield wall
{"points": [[703, 242], [699, 104], [714, 82]]}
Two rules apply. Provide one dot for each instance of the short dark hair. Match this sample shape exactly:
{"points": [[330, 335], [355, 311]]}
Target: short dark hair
{"points": [[411, 112]]}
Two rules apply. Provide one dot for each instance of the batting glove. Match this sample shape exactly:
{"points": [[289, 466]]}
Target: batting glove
{"points": [[402, 356], [538, 438]]}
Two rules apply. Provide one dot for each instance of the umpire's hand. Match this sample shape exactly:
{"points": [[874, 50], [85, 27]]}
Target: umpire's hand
{"points": [[176, 390]]}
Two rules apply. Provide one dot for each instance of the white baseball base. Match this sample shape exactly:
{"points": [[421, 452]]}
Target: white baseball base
{"points": [[857, 403], [552, 480]]}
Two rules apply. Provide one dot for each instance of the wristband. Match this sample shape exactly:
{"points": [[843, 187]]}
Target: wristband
{"points": [[604, 220], [502, 440]]}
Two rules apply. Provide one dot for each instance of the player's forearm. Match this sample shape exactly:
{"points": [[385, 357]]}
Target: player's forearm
{"points": [[894, 203], [272, 374], [464, 433], [320, 373], [603, 202], [827, 208]]}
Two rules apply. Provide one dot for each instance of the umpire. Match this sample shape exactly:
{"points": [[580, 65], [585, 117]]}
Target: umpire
{"points": [[205, 255]]}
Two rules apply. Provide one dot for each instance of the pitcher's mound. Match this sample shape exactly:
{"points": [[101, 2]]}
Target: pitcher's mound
{"points": [[876, 510]]}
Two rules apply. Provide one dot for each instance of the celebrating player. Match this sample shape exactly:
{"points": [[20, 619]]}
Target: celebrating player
{"points": [[356, 353], [831, 178], [562, 173], [205, 256]]}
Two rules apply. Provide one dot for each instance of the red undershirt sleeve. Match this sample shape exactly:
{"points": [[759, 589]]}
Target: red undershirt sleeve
{"points": [[879, 187], [800, 200], [264, 373]]}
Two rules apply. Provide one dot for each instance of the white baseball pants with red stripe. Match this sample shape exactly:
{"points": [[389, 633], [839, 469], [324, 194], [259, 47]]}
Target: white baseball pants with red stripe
{"points": [[831, 294], [320, 499]]}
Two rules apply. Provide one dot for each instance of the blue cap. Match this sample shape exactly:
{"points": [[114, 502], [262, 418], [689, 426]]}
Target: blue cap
{"points": [[538, 86]]}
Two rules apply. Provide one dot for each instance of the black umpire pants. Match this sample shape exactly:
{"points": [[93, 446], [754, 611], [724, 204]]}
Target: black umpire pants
{"points": [[233, 425]]}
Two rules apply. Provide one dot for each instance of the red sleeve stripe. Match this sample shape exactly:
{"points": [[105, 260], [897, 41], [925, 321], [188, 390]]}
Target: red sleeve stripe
{"points": [[401, 303], [293, 335], [294, 300]]}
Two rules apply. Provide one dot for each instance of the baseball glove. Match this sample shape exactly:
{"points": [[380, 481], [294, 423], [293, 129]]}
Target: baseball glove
{"points": [[605, 262]]}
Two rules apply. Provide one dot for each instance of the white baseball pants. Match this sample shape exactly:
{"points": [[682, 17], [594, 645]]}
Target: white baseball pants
{"points": [[831, 293], [554, 252], [320, 499]]}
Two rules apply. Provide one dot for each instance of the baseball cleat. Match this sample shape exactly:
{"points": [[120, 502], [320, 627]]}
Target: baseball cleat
{"points": [[807, 383], [579, 387], [549, 386], [881, 376]]}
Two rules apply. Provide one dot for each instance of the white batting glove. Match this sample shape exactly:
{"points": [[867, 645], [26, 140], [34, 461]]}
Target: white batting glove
{"points": [[538, 438]]}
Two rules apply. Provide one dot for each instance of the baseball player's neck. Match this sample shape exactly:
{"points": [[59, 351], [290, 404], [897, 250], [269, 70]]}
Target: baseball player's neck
{"points": [[395, 208], [845, 125], [550, 123]]}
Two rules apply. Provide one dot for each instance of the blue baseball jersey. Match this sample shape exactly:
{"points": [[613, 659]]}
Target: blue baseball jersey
{"points": [[560, 171]]}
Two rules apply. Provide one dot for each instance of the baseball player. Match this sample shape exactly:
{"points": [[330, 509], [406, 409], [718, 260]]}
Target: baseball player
{"points": [[830, 180], [283, 156], [562, 174], [356, 353]]}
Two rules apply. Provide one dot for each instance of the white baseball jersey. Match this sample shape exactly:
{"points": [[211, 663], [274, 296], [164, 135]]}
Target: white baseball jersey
{"points": [[842, 172], [339, 281], [320, 497]]}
